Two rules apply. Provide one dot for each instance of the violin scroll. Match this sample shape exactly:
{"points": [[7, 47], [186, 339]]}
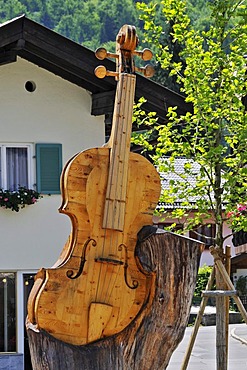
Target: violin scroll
{"points": [[126, 43]]}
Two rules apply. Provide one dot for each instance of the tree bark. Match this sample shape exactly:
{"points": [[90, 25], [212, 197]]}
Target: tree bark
{"points": [[149, 341]]}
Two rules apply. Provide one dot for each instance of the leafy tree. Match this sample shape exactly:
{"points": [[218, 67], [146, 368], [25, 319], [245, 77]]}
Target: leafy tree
{"points": [[162, 75], [113, 15], [45, 17], [93, 22], [199, 12], [11, 9], [214, 134], [32, 5]]}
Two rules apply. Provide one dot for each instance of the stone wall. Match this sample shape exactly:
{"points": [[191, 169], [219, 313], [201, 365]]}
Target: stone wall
{"points": [[12, 362]]}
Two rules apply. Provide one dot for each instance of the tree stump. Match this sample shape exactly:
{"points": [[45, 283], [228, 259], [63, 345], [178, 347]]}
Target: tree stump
{"points": [[149, 341]]}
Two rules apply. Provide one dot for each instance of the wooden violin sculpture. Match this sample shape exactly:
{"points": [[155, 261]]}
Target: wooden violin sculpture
{"points": [[98, 286]]}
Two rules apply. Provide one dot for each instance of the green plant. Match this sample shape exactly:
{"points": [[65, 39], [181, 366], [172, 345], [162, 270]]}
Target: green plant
{"points": [[211, 135], [241, 285], [202, 279], [15, 200]]}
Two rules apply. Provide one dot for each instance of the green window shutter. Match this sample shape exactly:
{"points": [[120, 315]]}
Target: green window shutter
{"points": [[48, 168]]}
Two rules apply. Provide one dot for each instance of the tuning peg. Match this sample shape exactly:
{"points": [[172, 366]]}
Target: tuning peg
{"points": [[102, 53], [147, 71], [145, 54], [101, 72]]}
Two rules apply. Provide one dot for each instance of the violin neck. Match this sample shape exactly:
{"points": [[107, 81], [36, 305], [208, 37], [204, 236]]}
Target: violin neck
{"points": [[119, 143]]}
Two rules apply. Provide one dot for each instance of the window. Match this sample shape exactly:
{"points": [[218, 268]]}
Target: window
{"points": [[15, 166], [7, 312], [205, 234], [17, 163]]}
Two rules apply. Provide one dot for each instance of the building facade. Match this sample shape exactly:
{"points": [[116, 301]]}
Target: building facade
{"points": [[49, 124], [52, 107]]}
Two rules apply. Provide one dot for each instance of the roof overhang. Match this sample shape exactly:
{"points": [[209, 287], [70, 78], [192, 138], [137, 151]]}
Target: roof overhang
{"points": [[75, 63], [239, 258]]}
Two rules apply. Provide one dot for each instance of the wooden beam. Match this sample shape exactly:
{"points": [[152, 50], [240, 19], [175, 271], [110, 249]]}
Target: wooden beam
{"points": [[7, 57], [103, 103], [219, 293]]}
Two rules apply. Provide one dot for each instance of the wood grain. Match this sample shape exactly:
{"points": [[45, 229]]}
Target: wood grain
{"points": [[116, 192], [151, 338], [110, 274]]}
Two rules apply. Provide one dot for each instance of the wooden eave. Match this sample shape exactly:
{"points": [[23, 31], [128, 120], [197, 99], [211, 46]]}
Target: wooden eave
{"points": [[239, 261], [76, 63]]}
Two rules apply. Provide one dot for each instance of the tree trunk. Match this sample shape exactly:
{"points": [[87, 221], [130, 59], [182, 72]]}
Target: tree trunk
{"points": [[149, 341]]}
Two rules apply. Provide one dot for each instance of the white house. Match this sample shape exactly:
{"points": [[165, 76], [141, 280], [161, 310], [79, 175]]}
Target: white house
{"points": [[52, 106], [208, 229]]}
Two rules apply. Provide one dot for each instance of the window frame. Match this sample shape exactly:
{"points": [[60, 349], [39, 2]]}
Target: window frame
{"points": [[3, 170]]}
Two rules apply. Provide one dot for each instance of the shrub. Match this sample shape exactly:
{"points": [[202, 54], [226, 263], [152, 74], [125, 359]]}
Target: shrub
{"points": [[202, 279]]}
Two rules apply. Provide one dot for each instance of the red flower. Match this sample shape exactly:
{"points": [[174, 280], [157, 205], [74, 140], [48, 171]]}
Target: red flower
{"points": [[241, 207]]}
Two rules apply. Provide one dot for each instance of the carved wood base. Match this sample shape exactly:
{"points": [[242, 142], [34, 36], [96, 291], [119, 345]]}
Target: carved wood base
{"points": [[149, 341]]}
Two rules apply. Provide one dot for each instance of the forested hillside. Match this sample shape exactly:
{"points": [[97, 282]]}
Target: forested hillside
{"points": [[88, 22], [93, 23]]}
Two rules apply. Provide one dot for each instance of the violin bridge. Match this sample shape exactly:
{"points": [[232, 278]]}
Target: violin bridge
{"points": [[109, 260]]}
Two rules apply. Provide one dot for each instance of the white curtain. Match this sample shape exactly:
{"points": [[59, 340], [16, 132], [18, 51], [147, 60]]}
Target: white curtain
{"points": [[16, 165]]}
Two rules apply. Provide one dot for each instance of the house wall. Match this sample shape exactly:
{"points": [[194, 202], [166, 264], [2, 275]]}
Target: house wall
{"points": [[56, 112]]}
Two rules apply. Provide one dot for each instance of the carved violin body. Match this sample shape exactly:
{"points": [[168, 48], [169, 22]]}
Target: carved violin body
{"points": [[97, 287]]}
